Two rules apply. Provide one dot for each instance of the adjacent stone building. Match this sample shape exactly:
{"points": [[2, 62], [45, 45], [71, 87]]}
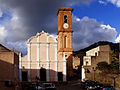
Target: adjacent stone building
{"points": [[48, 59], [76, 62], [9, 68], [93, 57]]}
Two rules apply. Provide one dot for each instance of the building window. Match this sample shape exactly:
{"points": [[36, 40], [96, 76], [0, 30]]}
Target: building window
{"points": [[86, 63], [87, 71], [65, 38], [95, 53], [65, 19]]}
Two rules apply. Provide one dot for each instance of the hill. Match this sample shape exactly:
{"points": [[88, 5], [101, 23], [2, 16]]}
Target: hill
{"points": [[113, 46]]}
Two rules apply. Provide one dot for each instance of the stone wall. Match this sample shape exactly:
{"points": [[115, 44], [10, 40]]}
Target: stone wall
{"points": [[104, 78], [76, 62], [96, 55]]}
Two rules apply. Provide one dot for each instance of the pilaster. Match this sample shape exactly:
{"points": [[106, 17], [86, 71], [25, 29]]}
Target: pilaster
{"points": [[56, 64], [47, 57], [20, 67], [29, 59], [64, 68], [38, 56]]}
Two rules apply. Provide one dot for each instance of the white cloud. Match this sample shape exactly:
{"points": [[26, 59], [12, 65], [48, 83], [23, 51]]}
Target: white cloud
{"points": [[107, 27], [112, 1], [17, 29], [75, 18], [1, 13], [88, 31], [19, 46], [117, 40], [14, 18], [115, 2], [118, 3], [3, 33], [102, 2], [27, 20], [16, 39]]}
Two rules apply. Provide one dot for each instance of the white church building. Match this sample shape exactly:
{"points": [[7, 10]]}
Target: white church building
{"points": [[48, 59]]}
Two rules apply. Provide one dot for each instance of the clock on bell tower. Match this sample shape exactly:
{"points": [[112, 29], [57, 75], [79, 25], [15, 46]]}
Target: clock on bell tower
{"points": [[65, 29], [65, 36]]}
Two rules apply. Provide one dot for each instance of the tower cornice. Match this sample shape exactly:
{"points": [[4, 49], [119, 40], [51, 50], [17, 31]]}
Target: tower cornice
{"points": [[64, 31], [64, 9]]}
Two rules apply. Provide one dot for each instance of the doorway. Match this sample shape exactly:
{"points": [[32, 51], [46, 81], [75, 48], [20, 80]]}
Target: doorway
{"points": [[42, 74], [24, 76], [60, 76]]}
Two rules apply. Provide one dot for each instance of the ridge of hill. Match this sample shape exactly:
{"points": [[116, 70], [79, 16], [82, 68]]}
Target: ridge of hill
{"points": [[113, 46]]}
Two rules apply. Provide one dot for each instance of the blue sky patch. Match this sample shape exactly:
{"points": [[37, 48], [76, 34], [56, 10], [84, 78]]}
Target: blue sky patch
{"points": [[106, 13]]}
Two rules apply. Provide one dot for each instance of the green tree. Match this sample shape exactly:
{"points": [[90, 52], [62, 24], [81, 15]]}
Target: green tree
{"points": [[109, 69], [102, 65], [115, 61]]}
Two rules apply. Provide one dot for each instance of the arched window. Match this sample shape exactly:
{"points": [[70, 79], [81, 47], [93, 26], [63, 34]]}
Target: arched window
{"points": [[95, 53], [65, 19], [86, 63], [65, 39]]}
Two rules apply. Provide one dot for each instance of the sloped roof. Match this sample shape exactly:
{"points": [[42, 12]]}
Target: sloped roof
{"points": [[3, 48]]}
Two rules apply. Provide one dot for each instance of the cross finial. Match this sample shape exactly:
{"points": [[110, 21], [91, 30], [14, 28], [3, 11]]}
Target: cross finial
{"points": [[42, 30]]}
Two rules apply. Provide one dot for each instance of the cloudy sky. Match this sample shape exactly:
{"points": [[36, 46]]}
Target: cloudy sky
{"points": [[92, 20]]}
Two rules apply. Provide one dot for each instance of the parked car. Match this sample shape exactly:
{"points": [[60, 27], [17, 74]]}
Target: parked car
{"points": [[108, 88], [39, 87], [99, 86], [85, 79], [48, 86], [88, 84], [32, 86]]}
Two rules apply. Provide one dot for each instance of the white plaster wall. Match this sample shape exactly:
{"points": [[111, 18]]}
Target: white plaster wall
{"points": [[93, 51], [83, 73], [42, 53], [87, 59]]}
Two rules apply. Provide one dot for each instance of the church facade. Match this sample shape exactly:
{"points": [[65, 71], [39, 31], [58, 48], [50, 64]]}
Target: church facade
{"points": [[48, 59]]}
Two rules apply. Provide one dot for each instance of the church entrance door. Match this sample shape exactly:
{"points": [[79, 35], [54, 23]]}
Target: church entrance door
{"points": [[42, 74], [24, 76], [60, 76]]}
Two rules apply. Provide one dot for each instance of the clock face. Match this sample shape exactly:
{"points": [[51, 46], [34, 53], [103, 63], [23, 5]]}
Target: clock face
{"points": [[65, 25]]}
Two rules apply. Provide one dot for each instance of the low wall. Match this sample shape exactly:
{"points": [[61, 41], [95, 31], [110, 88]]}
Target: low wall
{"points": [[105, 79]]}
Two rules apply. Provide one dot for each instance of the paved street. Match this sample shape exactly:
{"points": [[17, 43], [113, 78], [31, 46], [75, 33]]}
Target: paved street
{"points": [[74, 85]]}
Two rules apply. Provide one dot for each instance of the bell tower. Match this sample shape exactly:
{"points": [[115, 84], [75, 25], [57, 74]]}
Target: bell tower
{"points": [[65, 37]]}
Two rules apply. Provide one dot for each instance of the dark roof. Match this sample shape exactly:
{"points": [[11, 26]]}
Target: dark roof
{"points": [[3, 48]]}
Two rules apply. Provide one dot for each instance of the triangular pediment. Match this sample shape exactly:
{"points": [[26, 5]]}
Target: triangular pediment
{"points": [[43, 34]]}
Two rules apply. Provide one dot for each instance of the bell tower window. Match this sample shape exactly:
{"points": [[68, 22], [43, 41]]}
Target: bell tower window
{"points": [[65, 19], [65, 39]]}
